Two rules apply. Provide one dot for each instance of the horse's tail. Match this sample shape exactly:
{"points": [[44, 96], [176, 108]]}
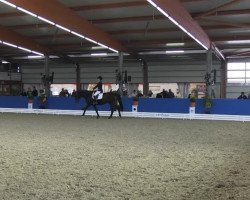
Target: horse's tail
{"points": [[120, 101]]}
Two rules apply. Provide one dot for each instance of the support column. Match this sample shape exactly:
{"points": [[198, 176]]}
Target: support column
{"points": [[46, 73], [209, 69], [78, 77], [145, 78], [223, 79], [120, 72]]}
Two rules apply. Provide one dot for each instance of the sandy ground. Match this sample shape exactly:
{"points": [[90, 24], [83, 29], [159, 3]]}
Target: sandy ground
{"points": [[72, 157]]}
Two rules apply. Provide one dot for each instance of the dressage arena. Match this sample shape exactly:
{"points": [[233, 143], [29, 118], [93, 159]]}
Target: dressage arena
{"points": [[74, 157]]}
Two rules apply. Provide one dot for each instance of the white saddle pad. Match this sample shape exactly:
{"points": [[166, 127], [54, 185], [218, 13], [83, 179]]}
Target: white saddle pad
{"points": [[100, 96]]}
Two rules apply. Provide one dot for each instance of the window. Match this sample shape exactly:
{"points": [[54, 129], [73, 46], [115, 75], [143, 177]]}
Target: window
{"points": [[238, 73]]}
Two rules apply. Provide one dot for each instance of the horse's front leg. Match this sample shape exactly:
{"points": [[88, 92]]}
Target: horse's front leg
{"points": [[96, 111]]}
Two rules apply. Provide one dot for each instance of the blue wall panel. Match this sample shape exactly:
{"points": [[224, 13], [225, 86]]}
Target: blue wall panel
{"points": [[220, 106], [163, 105]]}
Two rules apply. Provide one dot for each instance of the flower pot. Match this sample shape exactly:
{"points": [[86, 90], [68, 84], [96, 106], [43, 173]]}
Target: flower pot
{"points": [[192, 104]]}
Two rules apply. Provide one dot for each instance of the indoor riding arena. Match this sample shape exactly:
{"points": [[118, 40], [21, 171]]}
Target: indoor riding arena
{"points": [[177, 71], [71, 157]]}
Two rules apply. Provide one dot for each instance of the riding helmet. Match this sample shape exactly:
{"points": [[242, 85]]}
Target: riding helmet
{"points": [[99, 77]]}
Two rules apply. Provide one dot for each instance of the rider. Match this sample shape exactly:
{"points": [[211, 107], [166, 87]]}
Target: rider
{"points": [[98, 89]]}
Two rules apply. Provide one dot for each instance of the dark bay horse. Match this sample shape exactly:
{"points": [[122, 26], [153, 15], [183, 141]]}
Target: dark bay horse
{"points": [[112, 98]]}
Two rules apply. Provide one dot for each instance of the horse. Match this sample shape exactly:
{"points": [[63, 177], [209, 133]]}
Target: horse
{"points": [[112, 98]]}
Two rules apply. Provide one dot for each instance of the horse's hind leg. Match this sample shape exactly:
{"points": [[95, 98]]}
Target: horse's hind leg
{"points": [[112, 111], [84, 109], [119, 111]]}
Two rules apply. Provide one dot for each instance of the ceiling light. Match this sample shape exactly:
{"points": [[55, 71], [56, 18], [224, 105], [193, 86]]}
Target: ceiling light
{"points": [[8, 3], [9, 44], [77, 34], [90, 40], [37, 53], [4, 62], [27, 12], [175, 44], [176, 23], [113, 50], [99, 54], [175, 52], [28, 50], [35, 57], [62, 27], [54, 24], [97, 47], [46, 20]]}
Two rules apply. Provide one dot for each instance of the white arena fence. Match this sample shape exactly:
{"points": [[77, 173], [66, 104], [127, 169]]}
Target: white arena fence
{"points": [[242, 118]]}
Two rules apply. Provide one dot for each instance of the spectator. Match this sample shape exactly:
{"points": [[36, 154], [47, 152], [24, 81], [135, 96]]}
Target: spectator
{"points": [[42, 99], [23, 93], [170, 93], [62, 93], [67, 93], [34, 92], [150, 94], [73, 93], [164, 93], [139, 94], [249, 95], [242, 96], [30, 94]]}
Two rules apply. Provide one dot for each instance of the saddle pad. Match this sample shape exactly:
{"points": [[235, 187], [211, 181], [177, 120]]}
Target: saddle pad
{"points": [[100, 96]]}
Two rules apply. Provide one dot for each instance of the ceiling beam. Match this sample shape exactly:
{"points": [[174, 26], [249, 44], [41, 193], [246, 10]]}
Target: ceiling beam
{"points": [[224, 12], [214, 10], [109, 6], [128, 19], [54, 10], [7, 35], [184, 19], [224, 23]]}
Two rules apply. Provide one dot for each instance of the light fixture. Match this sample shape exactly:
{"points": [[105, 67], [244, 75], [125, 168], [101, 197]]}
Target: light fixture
{"points": [[57, 25], [176, 23], [4, 62], [175, 44], [218, 51], [99, 54], [63, 28], [9, 44], [46, 20], [8, 3], [27, 12], [175, 52], [24, 49]]}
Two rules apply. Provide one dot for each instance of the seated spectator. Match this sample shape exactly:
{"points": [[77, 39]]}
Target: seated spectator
{"points": [[242, 96]]}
